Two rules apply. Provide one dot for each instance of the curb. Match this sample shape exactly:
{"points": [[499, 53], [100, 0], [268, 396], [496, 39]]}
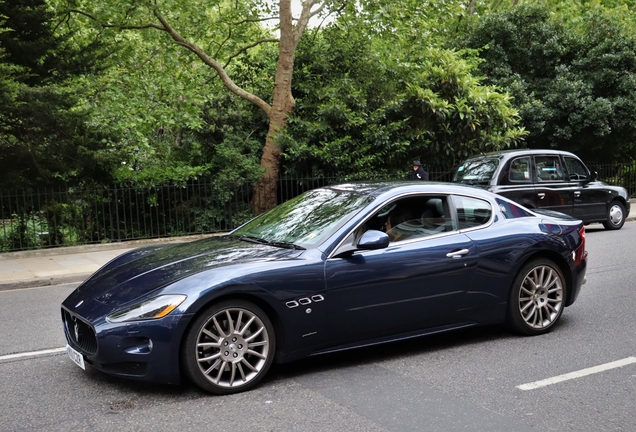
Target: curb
{"points": [[42, 282], [70, 250], [38, 282]]}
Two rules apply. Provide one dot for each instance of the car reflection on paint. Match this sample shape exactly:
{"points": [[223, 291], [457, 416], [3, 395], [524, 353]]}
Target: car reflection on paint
{"points": [[336, 268]]}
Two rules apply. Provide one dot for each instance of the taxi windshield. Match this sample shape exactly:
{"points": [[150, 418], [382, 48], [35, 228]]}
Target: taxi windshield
{"points": [[476, 171]]}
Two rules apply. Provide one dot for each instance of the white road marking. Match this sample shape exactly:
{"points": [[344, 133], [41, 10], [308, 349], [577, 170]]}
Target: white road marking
{"points": [[577, 374], [32, 353]]}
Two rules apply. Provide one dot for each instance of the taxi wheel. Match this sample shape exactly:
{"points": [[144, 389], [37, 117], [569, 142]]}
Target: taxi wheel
{"points": [[615, 216]]}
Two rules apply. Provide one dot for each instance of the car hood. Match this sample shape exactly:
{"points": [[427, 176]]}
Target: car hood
{"points": [[144, 270]]}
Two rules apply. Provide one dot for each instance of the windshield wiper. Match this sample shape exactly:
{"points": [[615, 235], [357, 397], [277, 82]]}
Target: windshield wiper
{"points": [[285, 245], [475, 182], [259, 240]]}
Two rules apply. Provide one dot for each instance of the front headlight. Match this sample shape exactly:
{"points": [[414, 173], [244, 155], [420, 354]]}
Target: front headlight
{"points": [[157, 307]]}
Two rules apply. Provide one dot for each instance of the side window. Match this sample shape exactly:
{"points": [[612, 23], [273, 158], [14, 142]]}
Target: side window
{"points": [[410, 218], [576, 169], [520, 170], [549, 168], [510, 210], [471, 212]]}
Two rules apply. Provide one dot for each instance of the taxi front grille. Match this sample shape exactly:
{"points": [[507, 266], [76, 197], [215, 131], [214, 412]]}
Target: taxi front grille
{"points": [[79, 333]]}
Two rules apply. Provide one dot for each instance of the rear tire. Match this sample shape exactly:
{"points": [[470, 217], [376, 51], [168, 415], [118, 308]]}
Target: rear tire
{"points": [[229, 347], [615, 216], [537, 298]]}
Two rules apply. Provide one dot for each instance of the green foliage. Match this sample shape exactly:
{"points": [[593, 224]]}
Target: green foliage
{"points": [[573, 77], [362, 109], [166, 117], [43, 137], [20, 232]]}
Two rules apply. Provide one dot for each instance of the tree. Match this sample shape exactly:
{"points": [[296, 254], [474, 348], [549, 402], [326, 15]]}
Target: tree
{"points": [[572, 75], [43, 139], [217, 32], [368, 106]]}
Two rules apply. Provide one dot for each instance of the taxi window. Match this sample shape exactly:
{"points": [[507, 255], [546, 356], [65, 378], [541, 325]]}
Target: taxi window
{"points": [[576, 169], [520, 170], [549, 169]]}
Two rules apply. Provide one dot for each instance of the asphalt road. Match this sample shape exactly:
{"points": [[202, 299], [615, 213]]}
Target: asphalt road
{"points": [[461, 381]]}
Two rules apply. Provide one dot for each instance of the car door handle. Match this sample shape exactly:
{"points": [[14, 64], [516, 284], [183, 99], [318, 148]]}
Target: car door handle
{"points": [[541, 195], [457, 254], [577, 194]]}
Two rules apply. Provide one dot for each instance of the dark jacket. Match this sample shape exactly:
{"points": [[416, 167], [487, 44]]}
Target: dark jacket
{"points": [[420, 174]]}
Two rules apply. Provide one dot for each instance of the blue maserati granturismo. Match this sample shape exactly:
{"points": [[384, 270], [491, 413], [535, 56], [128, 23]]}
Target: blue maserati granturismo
{"points": [[335, 268]]}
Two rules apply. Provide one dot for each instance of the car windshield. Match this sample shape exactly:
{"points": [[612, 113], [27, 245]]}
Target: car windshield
{"points": [[476, 170], [306, 220]]}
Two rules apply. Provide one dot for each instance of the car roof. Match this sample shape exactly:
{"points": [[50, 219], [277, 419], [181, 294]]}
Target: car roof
{"points": [[376, 189], [519, 152]]}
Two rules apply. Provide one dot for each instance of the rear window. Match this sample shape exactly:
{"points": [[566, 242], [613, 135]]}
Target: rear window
{"points": [[477, 170], [510, 210]]}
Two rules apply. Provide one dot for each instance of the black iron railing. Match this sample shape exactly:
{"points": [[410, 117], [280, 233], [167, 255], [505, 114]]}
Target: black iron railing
{"points": [[44, 218]]}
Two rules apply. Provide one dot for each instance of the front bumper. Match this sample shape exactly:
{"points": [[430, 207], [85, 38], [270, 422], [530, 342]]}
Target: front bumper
{"points": [[142, 350]]}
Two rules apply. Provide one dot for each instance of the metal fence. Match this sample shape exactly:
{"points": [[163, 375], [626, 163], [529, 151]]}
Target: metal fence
{"points": [[34, 219], [619, 174]]}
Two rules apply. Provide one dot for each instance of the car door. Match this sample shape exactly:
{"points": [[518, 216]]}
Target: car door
{"points": [[516, 182], [590, 199], [553, 189], [412, 284]]}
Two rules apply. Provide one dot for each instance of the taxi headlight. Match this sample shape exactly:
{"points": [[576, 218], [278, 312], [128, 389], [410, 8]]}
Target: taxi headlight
{"points": [[154, 308]]}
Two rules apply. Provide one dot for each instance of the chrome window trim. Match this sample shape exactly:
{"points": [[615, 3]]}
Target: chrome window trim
{"points": [[447, 194]]}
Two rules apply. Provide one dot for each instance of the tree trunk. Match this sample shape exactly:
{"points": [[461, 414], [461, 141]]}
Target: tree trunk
{"points": [[283, 105]]}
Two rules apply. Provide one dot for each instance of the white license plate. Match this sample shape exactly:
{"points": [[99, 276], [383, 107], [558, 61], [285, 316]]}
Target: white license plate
{"points": [[76, 356]]}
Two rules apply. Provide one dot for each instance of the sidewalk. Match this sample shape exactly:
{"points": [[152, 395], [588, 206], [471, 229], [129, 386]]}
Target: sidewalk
{"points": [[42, 267]]}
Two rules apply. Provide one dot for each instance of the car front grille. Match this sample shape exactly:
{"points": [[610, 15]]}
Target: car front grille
{"points": [[79, 333]]}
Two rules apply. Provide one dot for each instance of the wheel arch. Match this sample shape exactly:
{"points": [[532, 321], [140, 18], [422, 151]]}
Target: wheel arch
{"points": [[271, 313], [561, 263], [618, 198]]}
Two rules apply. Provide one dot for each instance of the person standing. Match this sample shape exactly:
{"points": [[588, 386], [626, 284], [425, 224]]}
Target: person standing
{"points": [[418, 172]]}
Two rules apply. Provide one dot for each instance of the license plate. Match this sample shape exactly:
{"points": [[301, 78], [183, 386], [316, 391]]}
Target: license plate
{"points": [[76, 356]]}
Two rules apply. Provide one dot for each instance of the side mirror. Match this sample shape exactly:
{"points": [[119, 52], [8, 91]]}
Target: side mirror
{"points": [[373, 239], [594, 175]]}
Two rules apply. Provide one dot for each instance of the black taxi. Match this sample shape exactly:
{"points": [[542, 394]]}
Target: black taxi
{"points": [[548, 179]]}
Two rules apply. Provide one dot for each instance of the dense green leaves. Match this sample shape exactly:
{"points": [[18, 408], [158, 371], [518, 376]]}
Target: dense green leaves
{"points": [[379, 84], [572, 77], [44, 138], [363, 109]]}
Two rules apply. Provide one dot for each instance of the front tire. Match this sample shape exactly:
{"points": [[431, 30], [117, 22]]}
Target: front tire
{"points": [[537, 298], [615, 216], [229, 347]]}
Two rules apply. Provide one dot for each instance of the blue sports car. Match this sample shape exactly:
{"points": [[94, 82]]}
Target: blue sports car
{"points": [[335, 268]]}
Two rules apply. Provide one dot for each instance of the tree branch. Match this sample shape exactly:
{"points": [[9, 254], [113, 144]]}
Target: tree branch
{"points": [[305, 15], [255, 20], [119, 26], [214, 64], [245, 48]]}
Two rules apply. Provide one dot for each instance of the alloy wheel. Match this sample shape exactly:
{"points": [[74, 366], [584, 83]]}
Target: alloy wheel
{"points": [[541, 297], [232, 348]]}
